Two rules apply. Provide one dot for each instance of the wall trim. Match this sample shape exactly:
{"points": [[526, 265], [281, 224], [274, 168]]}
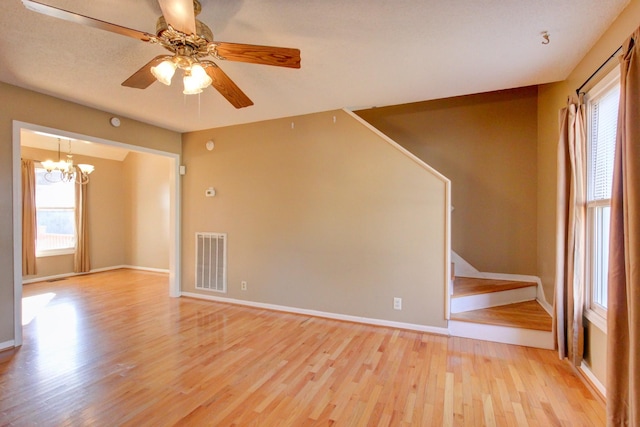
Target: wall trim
{"points": [[323, 314], [595, 382], [153, 270], [94, 270], [596, 320], [543, 302], [7, 345], [16, 187], [461, 267]]}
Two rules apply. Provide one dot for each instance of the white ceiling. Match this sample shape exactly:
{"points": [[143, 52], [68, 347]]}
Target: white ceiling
{"points": [[357, 53]]}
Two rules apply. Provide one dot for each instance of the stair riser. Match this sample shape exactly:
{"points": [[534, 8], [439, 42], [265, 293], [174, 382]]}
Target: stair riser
{"points": [[502, 334], [492, 299]]}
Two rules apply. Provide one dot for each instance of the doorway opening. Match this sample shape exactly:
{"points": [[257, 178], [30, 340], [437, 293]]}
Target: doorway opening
{"points": [[173, 201]]}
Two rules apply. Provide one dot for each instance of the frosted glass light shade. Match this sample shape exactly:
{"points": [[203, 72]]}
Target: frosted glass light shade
{"points": [[192, 85], [164, 71], [63, 166], [198, 72], [49, 165], [86, 169]]}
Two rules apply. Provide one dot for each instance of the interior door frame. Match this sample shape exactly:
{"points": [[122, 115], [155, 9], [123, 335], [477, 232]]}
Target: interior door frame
{"points": [[174, 208]]}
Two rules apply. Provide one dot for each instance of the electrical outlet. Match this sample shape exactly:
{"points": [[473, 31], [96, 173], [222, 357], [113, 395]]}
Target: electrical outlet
{"points": [[397, 303], [243, 285]]}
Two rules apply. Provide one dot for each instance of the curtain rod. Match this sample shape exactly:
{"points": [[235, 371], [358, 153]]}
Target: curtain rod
{"points": [[613, 55]]}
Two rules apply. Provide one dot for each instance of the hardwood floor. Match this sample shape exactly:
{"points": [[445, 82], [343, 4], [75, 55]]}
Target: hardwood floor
{"points": [[113, 349]]}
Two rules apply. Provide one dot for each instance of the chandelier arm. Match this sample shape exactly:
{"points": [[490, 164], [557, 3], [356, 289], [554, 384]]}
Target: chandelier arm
{"points": [[66, 170], [81, 177]]}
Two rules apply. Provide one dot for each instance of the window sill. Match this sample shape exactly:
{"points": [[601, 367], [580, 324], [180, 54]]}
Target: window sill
{"points": [[596, 320], [55, 252]]}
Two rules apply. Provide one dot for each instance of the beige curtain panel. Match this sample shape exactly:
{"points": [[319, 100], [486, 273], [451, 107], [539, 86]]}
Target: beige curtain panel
{"points": [[623, 314], [81, 263], [29, 223], [571, 234]]}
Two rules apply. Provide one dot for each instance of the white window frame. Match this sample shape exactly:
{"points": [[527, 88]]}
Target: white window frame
{"points": [[54, 252], [594, 312]]}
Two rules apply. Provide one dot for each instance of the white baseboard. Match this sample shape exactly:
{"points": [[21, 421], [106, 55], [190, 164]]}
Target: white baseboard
{"points": [[153, 270], [94, 270], [7, 345], [594, 380], [503, 334], [327, 315], [544, 304], [461, 267]]}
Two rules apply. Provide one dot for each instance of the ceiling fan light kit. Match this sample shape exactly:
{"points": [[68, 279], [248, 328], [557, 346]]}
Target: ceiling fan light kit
{"points": [[190, 42]]}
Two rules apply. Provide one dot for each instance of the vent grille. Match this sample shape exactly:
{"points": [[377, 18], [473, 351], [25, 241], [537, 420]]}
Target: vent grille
{"points": [[211, 261]]}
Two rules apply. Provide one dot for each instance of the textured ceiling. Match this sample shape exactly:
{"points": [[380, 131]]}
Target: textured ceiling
{"points": [[354, 53]]}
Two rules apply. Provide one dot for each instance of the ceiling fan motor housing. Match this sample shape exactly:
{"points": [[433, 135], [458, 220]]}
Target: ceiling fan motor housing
{"points": [[202, 29]]}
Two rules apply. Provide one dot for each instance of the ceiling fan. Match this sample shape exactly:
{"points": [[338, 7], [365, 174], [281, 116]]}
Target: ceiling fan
{"points": [[190, 42]]}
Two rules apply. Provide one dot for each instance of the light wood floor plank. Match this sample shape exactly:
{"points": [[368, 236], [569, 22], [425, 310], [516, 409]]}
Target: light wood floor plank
{"points": [[113, 349]]}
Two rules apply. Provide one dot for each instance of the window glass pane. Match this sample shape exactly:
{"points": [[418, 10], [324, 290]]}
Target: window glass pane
{"points": [[55, 212], [601, 255], [604, 122], [55, 194], [55, 229]]}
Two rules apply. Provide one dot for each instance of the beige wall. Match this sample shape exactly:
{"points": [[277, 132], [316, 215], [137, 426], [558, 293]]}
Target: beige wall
{"points": [[486, 145], [324, 216], [552, 98], [147, 210], [31, 107], [595, 354]]}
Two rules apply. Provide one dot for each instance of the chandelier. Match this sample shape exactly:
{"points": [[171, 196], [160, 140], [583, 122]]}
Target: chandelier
{"points": [[65, 170]]}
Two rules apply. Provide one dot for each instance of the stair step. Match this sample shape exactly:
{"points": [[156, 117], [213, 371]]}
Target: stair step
{"points": [[474, 294], [524, 315], [465, 286]]}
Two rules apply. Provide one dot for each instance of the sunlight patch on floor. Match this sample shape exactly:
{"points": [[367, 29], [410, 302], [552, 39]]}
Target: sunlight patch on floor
{"points": [[33, 305]]}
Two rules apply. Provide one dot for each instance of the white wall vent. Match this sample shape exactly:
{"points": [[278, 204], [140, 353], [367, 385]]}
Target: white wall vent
{"points": [[211, 261]]}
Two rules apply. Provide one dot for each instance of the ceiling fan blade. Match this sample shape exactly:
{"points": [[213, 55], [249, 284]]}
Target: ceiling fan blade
{"points": [[179, 14], [143, 78], [84, 20], [226, 86], [254, 54]]}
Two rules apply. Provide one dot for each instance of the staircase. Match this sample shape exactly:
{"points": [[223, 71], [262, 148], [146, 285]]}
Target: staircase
{"points": [[504, 311]]}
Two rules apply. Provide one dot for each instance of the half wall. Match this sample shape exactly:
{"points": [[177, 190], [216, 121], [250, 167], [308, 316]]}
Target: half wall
{"points": [[322, 213]]}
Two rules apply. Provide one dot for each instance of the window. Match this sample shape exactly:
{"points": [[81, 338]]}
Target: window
{"points": [[55, 212], [602, 117]]}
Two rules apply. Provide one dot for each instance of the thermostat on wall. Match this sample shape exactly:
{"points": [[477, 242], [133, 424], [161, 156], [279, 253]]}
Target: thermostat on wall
{"points": [[210, 192]]}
